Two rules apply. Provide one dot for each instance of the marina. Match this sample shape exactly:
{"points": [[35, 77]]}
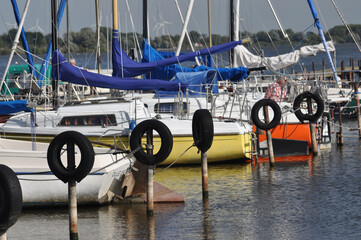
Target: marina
{"points": [[315, 199], [226, 140]]}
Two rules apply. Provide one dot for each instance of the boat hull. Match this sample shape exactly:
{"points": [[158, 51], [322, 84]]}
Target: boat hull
{"points": [[41, 188]]}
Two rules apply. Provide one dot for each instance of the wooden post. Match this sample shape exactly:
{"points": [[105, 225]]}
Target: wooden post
{"points": [[204, 176], [72, 201], [339, 134], [357, 99], [312, 130], [3, 236], [150, 173], [269, 139]]}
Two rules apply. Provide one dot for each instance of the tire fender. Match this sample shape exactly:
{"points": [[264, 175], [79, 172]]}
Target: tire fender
{"points": [[276, 116], [202, 129], [166, 141], [11, 198], [306, 116], [54, 156]]}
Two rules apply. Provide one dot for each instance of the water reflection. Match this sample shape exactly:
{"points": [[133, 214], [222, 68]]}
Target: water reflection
{"points": [[314, 199]]}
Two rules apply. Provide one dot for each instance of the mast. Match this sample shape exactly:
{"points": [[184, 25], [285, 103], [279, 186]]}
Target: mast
{"points": [[54, 82], [189, 12], [209, 23], [24, 40], [187, 34], [99, 61], [69, 85], [49, 49], [145, 20], [13, 48], [318, 25], [232, 30]]}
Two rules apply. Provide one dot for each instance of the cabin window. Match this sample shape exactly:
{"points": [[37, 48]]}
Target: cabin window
{"points": [[169, 107], [89, 120]]}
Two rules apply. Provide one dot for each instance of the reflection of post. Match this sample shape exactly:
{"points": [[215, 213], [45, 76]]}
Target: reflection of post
{"points": [[269, 138], [312, 129], [339, 134], [150, 172], [73, 218], [206, 225], [151, 225], [204, 176]]}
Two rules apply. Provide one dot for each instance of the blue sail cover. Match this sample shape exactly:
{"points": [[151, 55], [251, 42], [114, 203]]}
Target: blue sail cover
{"points": [[8, 107], [124, 66], [197, 82], [62, 70], [167, 72]]}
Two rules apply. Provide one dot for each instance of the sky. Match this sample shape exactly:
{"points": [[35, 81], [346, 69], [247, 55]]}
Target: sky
{"points": [[255, 15]]}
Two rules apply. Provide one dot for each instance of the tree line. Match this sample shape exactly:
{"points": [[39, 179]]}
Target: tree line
{"points": [[85, 40]]}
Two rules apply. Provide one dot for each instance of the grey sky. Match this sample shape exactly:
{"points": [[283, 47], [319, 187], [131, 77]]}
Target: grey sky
{"points": [[255, 15]]}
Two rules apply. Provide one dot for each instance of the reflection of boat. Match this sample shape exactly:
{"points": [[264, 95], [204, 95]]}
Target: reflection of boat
{"points": [[41, 188]]}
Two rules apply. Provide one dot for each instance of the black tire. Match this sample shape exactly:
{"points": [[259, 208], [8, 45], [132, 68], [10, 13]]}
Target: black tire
{"points": [[276, 114], [11, 199], [166, 142], [86, 151], [306, 116], [202, 129]]}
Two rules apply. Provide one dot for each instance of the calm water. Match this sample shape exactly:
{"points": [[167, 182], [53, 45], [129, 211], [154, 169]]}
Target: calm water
{"points": [[318, 199]]}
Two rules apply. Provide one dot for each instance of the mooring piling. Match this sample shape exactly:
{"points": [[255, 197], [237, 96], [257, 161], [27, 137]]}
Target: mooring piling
{"points": [[339, 135], [72, 199], [150, 173], [204, 175], [312, 129], [269, 138], [71, 173]]}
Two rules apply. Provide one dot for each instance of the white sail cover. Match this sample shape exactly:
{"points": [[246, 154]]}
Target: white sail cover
{"points": [[246, 59]]}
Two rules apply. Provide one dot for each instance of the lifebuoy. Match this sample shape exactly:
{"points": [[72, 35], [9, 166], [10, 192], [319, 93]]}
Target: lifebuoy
{"points": [[11, 198], [166, 141], [307, 116], [276, 114], [202, 129], [54, 156]]}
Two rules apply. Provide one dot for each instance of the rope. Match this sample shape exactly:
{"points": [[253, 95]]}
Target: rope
{"points": [[175, 160]]}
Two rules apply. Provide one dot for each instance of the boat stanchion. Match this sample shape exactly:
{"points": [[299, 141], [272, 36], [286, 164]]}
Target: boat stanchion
{"points": [[271, 155], [71, 174], [11, 199], [203, 132]]}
